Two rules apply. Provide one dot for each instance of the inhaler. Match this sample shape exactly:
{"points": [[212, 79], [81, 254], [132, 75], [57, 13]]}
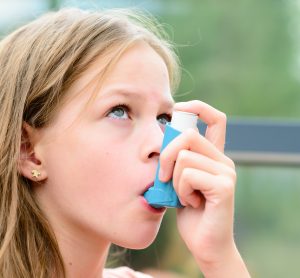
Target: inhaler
{"points": [[162, 194]]}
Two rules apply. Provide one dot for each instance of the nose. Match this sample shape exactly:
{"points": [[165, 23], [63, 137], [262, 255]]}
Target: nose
{"points": [[151, 142]]}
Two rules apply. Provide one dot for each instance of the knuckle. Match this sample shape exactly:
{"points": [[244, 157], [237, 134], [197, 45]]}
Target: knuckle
{"points": [[227, 186], [191, 134], [185, 175], [222, 117], [230, 163], [227, 170], [233, 174], [182, 156], [194, 101]]}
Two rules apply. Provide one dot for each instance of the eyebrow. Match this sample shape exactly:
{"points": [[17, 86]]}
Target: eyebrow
{"points": [[134, 95]]}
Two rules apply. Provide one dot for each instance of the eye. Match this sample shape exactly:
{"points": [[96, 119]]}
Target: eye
{"points": [[164, 118], [119, 112]]}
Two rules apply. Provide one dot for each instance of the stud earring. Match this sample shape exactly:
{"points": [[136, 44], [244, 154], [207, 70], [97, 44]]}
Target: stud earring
{"points": [[35, 173]]}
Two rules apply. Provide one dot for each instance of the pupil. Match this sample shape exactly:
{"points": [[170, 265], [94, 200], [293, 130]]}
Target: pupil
{"points": [[119, 112]]}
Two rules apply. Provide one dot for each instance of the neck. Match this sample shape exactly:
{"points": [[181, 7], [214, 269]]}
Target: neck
{"points": [[84, 255]]}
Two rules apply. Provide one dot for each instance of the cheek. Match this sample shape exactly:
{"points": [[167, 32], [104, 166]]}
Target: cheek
{"points": [[89, 180], [88, 171]]}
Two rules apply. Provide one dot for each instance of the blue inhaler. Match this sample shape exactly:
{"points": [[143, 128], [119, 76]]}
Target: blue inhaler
{"points": [[162, 194]]}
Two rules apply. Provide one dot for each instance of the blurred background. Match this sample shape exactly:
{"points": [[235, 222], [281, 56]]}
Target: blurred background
{"points": [[243, 57]]}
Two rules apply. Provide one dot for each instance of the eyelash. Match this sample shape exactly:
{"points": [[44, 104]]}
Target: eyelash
{"points": [[121, 105], [128, 110]]}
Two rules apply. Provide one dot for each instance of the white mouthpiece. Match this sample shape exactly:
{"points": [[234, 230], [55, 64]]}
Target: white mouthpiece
{"points": [[184, 120]]}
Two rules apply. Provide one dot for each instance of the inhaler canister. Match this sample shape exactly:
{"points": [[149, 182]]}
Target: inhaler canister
{"points": [[162, 194]]}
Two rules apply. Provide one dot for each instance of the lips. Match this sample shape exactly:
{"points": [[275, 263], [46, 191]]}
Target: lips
{"points": [[147, 187]]}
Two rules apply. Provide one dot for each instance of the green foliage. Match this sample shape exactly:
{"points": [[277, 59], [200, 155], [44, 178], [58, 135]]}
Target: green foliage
{"points": [[240, 55]]}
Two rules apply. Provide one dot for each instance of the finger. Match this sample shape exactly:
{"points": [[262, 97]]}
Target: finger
{"points": [[215, 120], [188, 140], [195, 200], [189, 159], [214, 189]]}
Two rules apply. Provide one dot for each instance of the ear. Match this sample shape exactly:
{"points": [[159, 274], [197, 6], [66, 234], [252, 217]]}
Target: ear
{"points": [[30, 165]]}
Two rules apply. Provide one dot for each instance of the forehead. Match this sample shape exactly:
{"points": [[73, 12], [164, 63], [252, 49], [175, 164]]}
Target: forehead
{"points": [[139, 71]]}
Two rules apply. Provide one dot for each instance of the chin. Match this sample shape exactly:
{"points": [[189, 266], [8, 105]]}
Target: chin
{"points": [[142, 244], [137, 245], [138, 240]]}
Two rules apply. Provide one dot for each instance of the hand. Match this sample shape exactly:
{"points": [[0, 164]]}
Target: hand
{"points": [[204, 179]]}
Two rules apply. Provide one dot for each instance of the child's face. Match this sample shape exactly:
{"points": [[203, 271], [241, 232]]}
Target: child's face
{"points": [[100, 162]]}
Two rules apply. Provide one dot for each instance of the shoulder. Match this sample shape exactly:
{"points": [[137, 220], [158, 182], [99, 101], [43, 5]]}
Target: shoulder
{"points": [[123, 272]]}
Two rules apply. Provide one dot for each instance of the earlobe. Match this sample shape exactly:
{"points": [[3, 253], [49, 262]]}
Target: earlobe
{"points": [[35, 174], [30, 166]]}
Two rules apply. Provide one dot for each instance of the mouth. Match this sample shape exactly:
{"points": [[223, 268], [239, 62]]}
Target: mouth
{"points": [[147, 187], [146, 204], [152, 209]]}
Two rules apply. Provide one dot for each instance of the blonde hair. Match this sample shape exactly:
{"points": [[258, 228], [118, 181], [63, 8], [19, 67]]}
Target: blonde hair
{"points": [[38, 63]]}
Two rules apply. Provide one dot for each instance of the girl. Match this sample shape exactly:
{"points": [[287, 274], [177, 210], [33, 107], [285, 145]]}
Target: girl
{"points": [[84, 97]]}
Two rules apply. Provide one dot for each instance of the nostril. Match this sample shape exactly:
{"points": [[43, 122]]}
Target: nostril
{"points": [[153, 154]]}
